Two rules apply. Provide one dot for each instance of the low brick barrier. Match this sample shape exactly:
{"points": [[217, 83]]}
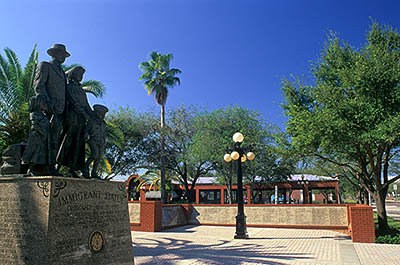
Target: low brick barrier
{"points": [[150, 214], [361, 224], [356, 220]]}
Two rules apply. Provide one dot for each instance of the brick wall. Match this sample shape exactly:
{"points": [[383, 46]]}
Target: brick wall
{"points": [[361, 225], [150, 217]]}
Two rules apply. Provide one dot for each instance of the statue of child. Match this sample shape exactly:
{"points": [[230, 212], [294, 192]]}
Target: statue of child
{"points": [[36, 153], [96, 130]]}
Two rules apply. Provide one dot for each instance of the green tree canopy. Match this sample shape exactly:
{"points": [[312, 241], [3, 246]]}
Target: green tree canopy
{"points": [[214, 136], [181, 163], [350, 113], [186, 164], [128, 156]]}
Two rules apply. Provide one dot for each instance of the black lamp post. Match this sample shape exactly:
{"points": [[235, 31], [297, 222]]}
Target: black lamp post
{"points": [[237, 153], [304, 182]]}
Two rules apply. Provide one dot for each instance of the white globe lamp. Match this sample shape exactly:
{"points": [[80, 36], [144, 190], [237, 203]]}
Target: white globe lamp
{"points": [[235, 155], [250, 156], [238, 137], [227, 158]]}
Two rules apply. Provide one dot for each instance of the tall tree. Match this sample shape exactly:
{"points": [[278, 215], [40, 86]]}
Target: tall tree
{"points": [[187, 165], [130, 155], [158, 77], [350, 185], [214, 135], [350, 114]]}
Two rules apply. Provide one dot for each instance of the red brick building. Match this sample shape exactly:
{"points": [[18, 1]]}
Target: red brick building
{"points": [[299, 189]]}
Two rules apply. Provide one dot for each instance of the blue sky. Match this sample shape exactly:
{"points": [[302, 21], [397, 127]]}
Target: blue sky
{"points": [[230, 52]]}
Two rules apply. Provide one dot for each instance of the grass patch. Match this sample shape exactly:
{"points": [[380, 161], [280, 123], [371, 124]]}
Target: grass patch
{"points": [[391, 236], [349, 201]]}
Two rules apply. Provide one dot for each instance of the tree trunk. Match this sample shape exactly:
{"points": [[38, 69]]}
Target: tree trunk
{"points": [[366, 198], [380, 197], [189, 196], [360, 196], [188, 192], [228, 190], [162, 160]]}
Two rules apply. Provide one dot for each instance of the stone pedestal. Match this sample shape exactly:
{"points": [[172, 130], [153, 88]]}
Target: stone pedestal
{"points": [[57, 220]]}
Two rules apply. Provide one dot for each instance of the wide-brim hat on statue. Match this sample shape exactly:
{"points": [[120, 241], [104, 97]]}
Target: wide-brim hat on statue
{"points": [[100, 108], [58, 49]]}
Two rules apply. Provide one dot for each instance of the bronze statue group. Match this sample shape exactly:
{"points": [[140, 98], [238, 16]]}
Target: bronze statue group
{"points": [[62, 122]]}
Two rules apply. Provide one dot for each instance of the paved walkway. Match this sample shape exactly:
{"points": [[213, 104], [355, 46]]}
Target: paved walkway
{"points": [[392, 209], [215, 245]]}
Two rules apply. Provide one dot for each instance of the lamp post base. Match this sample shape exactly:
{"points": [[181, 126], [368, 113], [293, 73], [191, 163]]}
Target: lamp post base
{"points": [[244, 236], [241, 230]]}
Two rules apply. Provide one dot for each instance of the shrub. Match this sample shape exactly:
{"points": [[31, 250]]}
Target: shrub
{"points": [[388, 239]]}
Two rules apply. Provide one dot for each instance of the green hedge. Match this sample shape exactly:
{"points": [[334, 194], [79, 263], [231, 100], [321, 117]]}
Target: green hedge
{"points": [[388, 239], [391, 236]]}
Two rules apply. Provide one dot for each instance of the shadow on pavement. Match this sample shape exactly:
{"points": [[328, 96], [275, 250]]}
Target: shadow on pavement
{"points": [[344, 237], [169, 250], [179, 229]]}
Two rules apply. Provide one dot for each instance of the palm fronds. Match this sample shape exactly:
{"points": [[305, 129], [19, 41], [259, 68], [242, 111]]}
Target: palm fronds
{"points": [[114, 135], [15, 70], [158, 76], [16, 87], [149, 176], [94, 87], [28, 76]]}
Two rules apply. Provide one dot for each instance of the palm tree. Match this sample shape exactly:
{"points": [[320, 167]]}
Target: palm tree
{"points": [[153, 178], [15, 90], [114, 136], [158, 78]]}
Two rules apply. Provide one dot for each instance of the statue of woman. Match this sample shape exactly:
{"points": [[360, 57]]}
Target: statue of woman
{"points": [[72, 150]]}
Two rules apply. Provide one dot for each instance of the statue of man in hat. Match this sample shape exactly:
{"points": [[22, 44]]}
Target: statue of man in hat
{"points": [[50, 81]]}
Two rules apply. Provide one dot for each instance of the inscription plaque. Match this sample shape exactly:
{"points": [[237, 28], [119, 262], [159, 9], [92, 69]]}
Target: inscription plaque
{"points": [[272, 215]]}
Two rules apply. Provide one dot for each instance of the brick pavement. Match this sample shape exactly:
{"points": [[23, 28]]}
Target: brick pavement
{"points": [[371, 254], [215, 245]]}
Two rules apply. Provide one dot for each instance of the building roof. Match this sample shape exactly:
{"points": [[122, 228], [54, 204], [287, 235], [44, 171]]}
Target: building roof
{"points": [[295, 177], [309, 177]]}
